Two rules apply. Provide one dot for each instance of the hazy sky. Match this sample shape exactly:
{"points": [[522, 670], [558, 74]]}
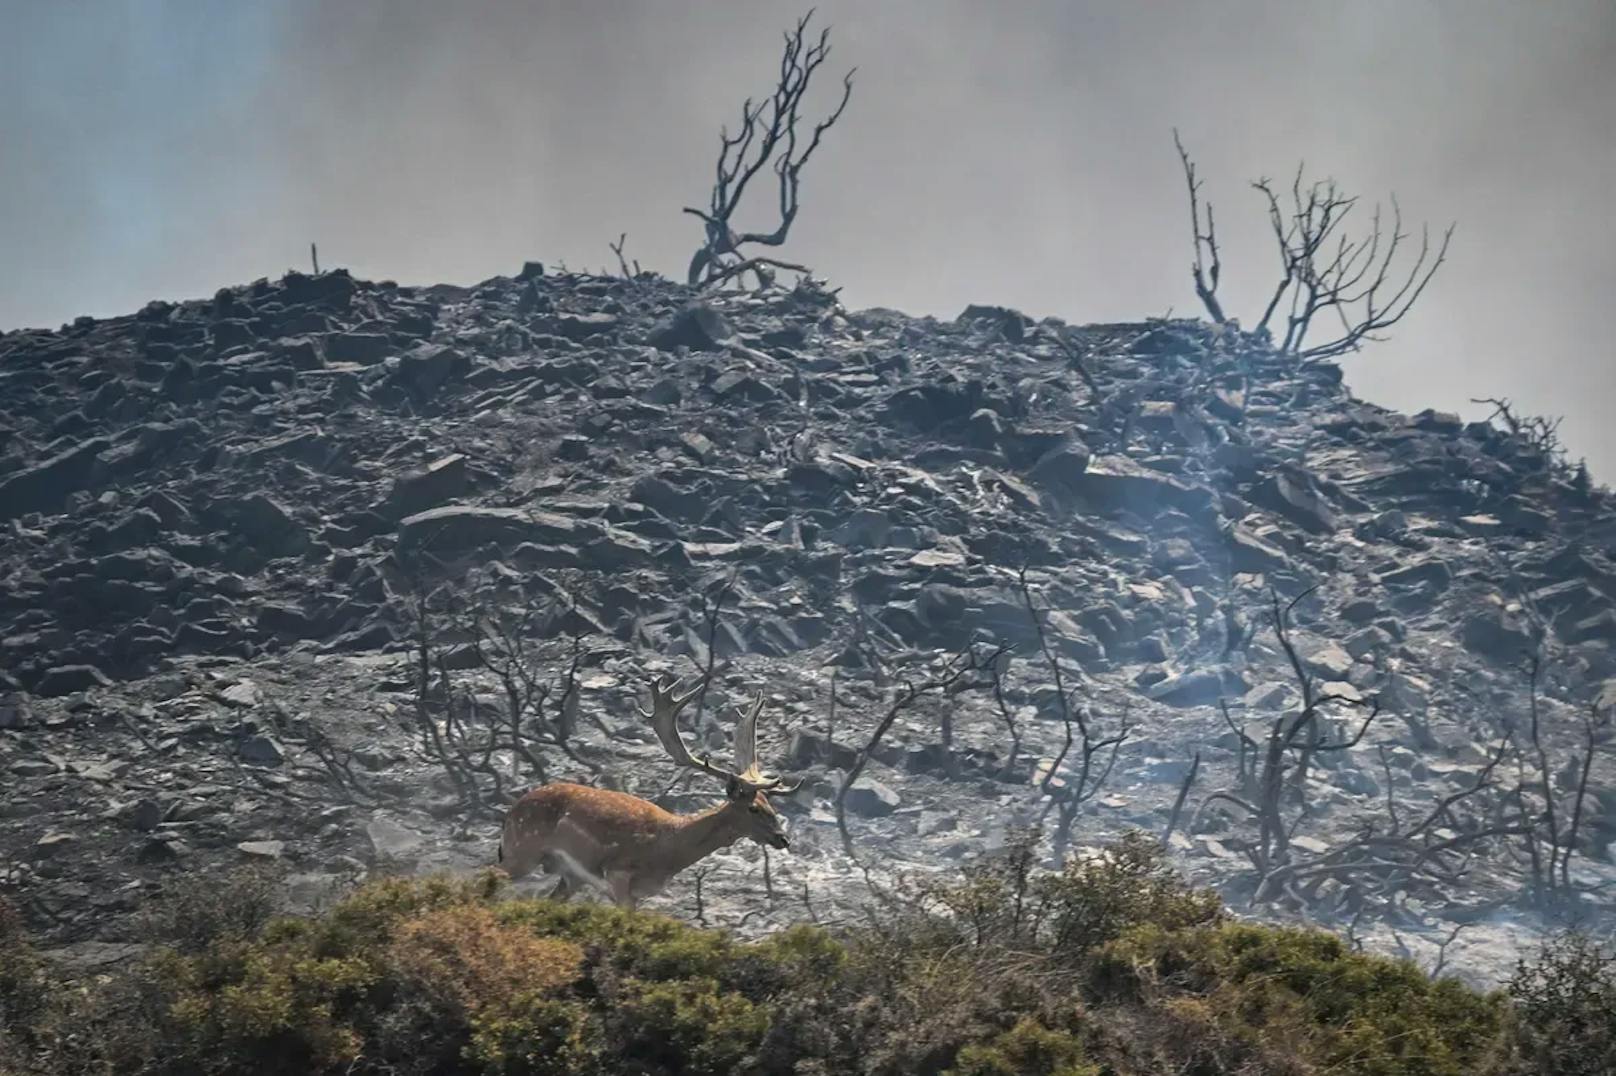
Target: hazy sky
{"points": [[1010, 152]]}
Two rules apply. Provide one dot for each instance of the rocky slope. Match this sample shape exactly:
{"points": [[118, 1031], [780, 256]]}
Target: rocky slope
{"points": [[221, 517]]}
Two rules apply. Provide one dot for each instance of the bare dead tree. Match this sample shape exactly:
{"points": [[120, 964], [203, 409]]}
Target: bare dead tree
{"points": [[998, 670], [830, 724], [1540, 825], [1592, 727], [1097, 752], [1205, 243], [1286, 755], [1354, 282], [622, 261], [1326, 274], [961, 667], [699, 876], [772, 135], [1178, 802], [1436, 851], [488, 749], [1538, 434], [1441, 963], [712, 612]]}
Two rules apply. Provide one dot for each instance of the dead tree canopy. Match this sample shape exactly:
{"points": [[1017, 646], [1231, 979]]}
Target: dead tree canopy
{"points": [[772, 134], [1328, 277]]}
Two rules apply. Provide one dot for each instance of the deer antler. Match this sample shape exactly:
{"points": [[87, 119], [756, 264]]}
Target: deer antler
{"points": [[665, 706], [746, 765], [746, 778]]}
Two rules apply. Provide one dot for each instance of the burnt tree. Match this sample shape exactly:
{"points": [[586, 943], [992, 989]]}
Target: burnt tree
{"points": [[1328, 276], [772, 135]]}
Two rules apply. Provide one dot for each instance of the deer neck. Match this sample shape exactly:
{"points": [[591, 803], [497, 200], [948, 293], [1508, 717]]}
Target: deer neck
{"points": [[705, 833]]}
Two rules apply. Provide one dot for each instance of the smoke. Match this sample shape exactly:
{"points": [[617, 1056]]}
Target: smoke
{"points": [[1014, 153]]}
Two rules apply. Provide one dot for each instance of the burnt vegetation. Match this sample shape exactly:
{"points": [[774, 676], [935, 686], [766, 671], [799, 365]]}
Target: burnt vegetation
{"points": [[1016, 586]]}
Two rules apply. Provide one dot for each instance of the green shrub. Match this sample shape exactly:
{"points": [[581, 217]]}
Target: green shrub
{"points": [[1565, 1003], [1108, 965], [1249, 988], [1028, 1049], [194, 910], [684, 1026]]}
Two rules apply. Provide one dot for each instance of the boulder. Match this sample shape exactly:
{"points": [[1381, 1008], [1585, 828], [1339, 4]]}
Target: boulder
{"points": [[698, 327], [872, 799], [67, 679]]}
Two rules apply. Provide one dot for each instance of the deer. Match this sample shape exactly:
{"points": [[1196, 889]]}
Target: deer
{"points": [[629, 848]]}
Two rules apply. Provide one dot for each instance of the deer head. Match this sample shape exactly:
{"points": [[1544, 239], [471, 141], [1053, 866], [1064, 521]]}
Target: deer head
{"points": [[746, 786]]}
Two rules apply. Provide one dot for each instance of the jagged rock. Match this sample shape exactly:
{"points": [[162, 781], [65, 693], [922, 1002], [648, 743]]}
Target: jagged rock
{"points": [[872, 799], [268, 525], [697, 445], [44, 486], [1368, 642], [53, 843], [260, 750], [1119, 482], [1248, 553], [1294, 497], [464, 527], [1062, 468], [740, 385], [865, 528], [810, 750], [34, 767], [656, 492], [15, 713], [262, 849], [581, 326], [146, 815], [244, 695], [166, 848], [1431, 574], [1326, 658], [985, 429], [1198, 687], [426, 368], [1497, 634], [939, 605], [1361, 611], [441, 481], [698, 327], [1601, 627], [1011, 324], [67, 679], [364, 348], [1406, 694]]}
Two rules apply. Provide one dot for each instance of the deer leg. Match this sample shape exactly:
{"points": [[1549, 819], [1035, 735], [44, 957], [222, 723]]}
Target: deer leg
{"points": [[621, 886]]}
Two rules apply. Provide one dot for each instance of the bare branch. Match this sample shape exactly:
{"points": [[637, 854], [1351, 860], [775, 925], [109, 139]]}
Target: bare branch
{"points": [[1206, 278], [770, 135]]}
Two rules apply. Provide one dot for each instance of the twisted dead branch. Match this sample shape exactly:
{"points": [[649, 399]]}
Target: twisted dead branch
{"points": [[771, 134]]}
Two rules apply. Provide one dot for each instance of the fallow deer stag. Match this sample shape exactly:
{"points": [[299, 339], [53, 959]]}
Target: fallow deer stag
{"points": [[628, 847]]}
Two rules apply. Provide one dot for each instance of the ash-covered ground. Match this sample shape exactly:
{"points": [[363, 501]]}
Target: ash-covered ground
{"points": [[231, 524]]}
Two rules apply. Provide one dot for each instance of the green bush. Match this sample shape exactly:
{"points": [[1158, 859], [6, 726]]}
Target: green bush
{"points": [[1027, 1049], [1232, 993], [1109, 965], [1566, 1000]]}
